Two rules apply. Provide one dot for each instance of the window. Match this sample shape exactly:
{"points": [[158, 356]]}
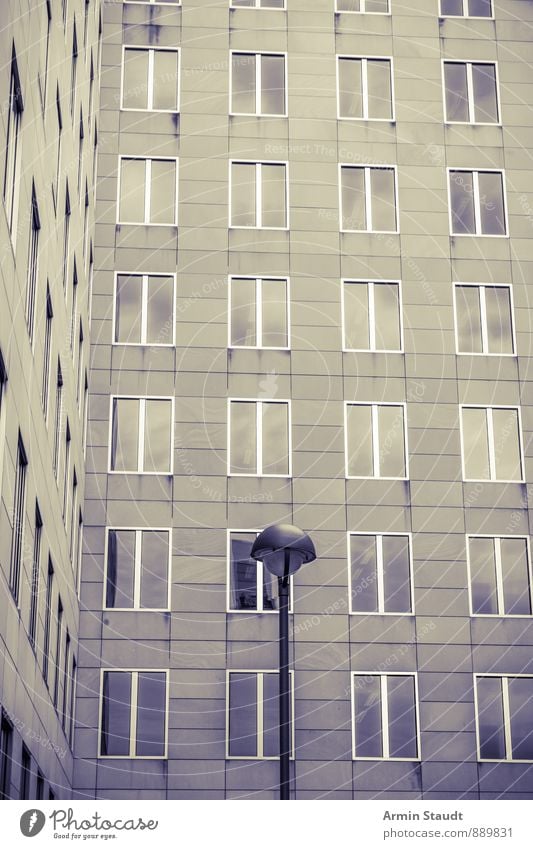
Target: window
{"points": [[73, 516], [144, 309], [368, 199], [471, 92], [376, 441], [51, 794], [259, 195], [477, 203], [58, 418], [3, 387], [57, 655], [258, 4], [371, 315], [141, 435], [376, 7], [385, 716], [500, 576], [466, 8], [73, 70], [39, 788], [86, 204], [134, 714], [55, 186], [259, 312], [259, 438], [25, 773], [64, 7], [148, 190], [43, 75], [66, 238], [90, 282], [252, 729], [19, 516], [33, 263], [503, 717], [6, 756], [380, 573], [150, 79], [91, 94], [72, 709], [251, 587], [79, 380], [156, 2], [12, 153], [484, 319], [364, 88], [66, 470], [258, 84], [36, 569], [81, 137], [73, 305], [47, 353], [76, 560], [138, 564], [491, 443], [48, 619], [66, 682]]}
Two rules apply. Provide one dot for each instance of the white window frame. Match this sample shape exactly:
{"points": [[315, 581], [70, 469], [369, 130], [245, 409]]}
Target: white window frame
{"points": [[259, 436], [13, 151], [147, 190], [466, 15], [364, 85], [380, 581], [385, 714], [470, 90], [258, 83], [137, 569], [490, 440], [153, 2], [144, 309], [260, 713], [151, 81], [257, 6], [375, 438], [260, 570], [133, 714], [142, 425], [506, 716], [362, 11], [371, 283], [477, 203], [499, 575], [259, 279], [483, 312], [258, 194], [368, 195]]}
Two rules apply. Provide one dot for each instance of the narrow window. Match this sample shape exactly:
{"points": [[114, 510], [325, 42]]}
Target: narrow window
{"points": [[73, 70], [6, 756], [55, 186], [33, 263], [66, 683], [66, 238], [13, 156], [57, 654], [19, 515], [58, 419], [25, 773], [36, 571], [48, 619], [47, 351]]}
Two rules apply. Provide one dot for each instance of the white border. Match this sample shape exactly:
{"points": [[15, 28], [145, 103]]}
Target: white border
{"points": [[257, 6], [258, 84], [259, 727], [506, 716], [147, 190], [384, 715], [151, 82], [470, 92], [371, 315], [258, 194], [499, 575], [133, 714], [364, 85], [466, 15], [260, 565], [141, 425], [144, 307], [362, 11], [490, 441], [136, 569], [380, 574], [483, 319], [259, 437], [368, 196], [259, 279], [375, 425], [477, 205]]}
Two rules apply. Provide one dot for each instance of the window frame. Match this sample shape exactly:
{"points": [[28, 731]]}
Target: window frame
{"points": [[141, 431], [361, 11], [384, 715], [134, 672], [13, 149], [260, 715], [259, 437], [33, 268], [477, 202], [483, 316], [144, 304], [256, 6], [470, 91], [153, 2], [35, 586], [499, 575], [258, 80], [260, 569], [375, 432], [364, 84], [147, 190], [6, 754], [368, 196], [150, 85], [379, 563], [19, 526], [137, 569], [259, 279], [258, 194], [507, 720], [466, 15], [490, 442], [371, 283]]}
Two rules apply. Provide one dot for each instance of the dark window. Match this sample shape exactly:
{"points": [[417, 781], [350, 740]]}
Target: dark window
{"points": [[33, 264], [25, 773], [35, 575], [19, 509], [134, 708], [6, 747], [12, 154], [47, 619]]}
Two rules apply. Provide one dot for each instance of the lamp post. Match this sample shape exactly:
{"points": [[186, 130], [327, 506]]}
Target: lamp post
{"points": [[283, 549]]}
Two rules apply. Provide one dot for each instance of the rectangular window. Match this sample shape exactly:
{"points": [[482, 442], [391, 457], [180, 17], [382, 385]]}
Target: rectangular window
{"points": [[376, 441], [156, 2], [134, 714], [252, 729], [72, 709], [66, 682], [58, 419], [36, 570], [259, 438], [504, 721], [19, 516], [33, 263], [3, 386], [81, 137], [48, 619], [371, 315], [256, 4], [138, 568], [471, 92], [148, 191], [150, 79], [55, 186], [47, 352], [57, 654], [64, 7], [380, 573], [368, 199], [491, 443], [484, 319], [250, 586], [66, 470], [466, 8], [39, 788], [141, 435], [73, 517], [25, 773], [259, 312], [6, 756], [259, 195], [86, 205], [375, 7], [477, 203], [78, 550], [73, 306], [79, 380], [43, 75], [364, 88], [66, 238], [500, 576], [73, 71], [385, 716], [144, 309], [91, 94], [258, 84], [12, 152]]}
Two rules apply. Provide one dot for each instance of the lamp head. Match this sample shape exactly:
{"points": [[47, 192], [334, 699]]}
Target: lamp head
{"points": [[272, 543]]}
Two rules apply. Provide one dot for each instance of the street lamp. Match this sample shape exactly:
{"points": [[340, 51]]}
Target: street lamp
{"points": [[283, 549]]}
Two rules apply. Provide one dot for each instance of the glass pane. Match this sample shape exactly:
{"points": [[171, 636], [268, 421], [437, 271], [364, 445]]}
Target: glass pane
{"points": [[485, 97], [270, 4], [359, 440], [273, 85], [353, 199], [475, 444], [151, 714], [120, 568], [243, 572], [462, 202], [480, 8], [468, 319], [274, 201], [520, 703], [396, 574], [154, 569], [243, 199], [243, 83], [243, 714], [349, 5], [383, 199], [274, 313], [165, 91], [163, 194], [506, 445], [270, 591], [483, 575], [135, 85], [490, 718], [132, 190], [271, 715], [128, 308], [125, 435], [275, 439], [364, 574], [391, 442], [160, 316], [387, 316], [491, 203], [157, 436], [367, 710], [377, 6], [243, 438], [515, 575], [499, 322], [451, 7], [350, 88], [403, 741], [243, 312], [356, 316], [379, 88], [455, 80], [116, 713]]}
